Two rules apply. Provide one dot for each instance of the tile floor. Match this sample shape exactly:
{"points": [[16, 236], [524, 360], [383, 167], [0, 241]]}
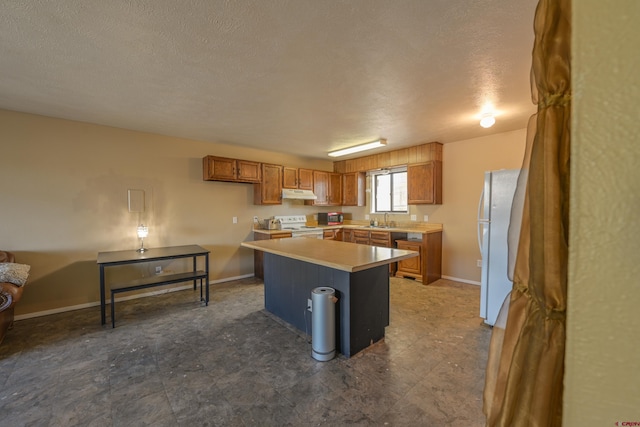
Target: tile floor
{"points": [[172, 361]]}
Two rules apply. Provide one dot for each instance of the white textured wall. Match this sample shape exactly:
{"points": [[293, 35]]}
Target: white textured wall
{"points": [[602, 381]]}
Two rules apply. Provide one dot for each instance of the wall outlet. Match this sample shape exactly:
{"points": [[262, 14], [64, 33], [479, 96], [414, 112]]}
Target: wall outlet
{"points": [[255, 219], [414, 218], [309, 305], [235, 219], [426, 218], [158, 269], [479, 263], [367, 217]]}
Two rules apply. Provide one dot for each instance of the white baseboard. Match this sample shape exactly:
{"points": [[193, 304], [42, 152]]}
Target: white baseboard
{"points": [[456, 279], [130, 297]]}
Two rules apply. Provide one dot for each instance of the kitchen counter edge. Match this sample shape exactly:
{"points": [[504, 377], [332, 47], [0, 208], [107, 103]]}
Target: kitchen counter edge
{"points": [[425, 229]]}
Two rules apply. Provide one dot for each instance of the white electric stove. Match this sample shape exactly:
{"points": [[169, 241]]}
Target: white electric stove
{"points": [[297, 225]]}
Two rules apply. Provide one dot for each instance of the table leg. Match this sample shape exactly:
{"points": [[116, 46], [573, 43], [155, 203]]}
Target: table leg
{"points": [[113, 311], [206, 268], [194, 269], [103, 317]]}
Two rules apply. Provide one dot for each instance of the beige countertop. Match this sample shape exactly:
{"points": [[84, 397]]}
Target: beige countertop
{"points": [[345, 256], [423, 228]]}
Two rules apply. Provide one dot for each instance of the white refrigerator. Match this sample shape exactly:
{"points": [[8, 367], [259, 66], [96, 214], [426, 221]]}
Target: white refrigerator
{"points": [[494, 212]]}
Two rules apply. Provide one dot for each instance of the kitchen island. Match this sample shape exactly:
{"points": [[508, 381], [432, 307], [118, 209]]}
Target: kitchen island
{"points": [[358, 273]]}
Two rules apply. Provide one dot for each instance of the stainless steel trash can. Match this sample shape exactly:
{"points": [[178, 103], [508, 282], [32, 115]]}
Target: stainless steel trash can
{"points": [[323, 323]]}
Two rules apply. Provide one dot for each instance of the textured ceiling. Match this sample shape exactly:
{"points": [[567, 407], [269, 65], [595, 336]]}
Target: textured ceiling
{"points": [[296, 76]]}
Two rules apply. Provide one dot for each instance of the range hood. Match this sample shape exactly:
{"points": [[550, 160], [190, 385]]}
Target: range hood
{"points": [[298, 194]]}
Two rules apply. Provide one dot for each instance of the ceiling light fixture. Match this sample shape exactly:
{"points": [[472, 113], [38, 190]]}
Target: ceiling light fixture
{"points": [[358, 148], [487, 120]]}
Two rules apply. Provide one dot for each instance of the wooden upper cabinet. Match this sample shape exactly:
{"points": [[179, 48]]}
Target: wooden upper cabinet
{"points": [[297, 178], [269, 191], [335, 189], [424, 183], [218, 168], [248, 171], [353, 189], [403, 156], [289, 177], [320, 188], [327, 186], [232, 170], [305, 179]]}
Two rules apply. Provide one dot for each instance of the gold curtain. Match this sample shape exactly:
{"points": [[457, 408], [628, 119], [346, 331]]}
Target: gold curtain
{"points": [[526, 358]]}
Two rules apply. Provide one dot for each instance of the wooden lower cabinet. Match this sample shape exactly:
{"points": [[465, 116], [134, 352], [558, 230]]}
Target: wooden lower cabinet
{"points": [[411, 267], [375, 238], [360, 236], [430, 248], [380, 238], [258, 256], [333, 234], [431, 257]]}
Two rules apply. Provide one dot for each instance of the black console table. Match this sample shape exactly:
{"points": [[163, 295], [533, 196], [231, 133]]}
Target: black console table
{"points": [[110, 259]]}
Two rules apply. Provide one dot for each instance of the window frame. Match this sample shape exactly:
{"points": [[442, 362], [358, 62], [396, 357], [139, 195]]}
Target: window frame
{"points": [[374, 190]]}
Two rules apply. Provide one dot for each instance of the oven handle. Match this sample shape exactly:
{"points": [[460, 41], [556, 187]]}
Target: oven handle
{"points": [[312, 235]]}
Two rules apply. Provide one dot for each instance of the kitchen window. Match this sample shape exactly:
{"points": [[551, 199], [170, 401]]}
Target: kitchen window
{"points": [[389, 190]]}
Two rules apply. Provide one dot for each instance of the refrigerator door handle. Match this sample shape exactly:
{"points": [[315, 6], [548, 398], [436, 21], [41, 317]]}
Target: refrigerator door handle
{"points": [[481, 221]]}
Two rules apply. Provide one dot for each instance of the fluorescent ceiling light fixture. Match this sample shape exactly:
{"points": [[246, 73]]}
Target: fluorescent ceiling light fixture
{"points": [[487, 120], [358, 148]]}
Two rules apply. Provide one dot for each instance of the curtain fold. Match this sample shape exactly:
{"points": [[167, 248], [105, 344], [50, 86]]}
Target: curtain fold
{"points": [[526, 357]]}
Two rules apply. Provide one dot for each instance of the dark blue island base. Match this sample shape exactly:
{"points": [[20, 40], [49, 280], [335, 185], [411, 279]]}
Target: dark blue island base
{"points": [[362, 310]]}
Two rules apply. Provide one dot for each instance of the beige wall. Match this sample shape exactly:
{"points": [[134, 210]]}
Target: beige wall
{"points": [[602, 380], [64, 199], [464, 165], [68, 200]]}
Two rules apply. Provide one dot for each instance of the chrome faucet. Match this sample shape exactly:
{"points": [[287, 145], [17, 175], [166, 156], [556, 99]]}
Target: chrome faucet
{"points": [[386, 219]]}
